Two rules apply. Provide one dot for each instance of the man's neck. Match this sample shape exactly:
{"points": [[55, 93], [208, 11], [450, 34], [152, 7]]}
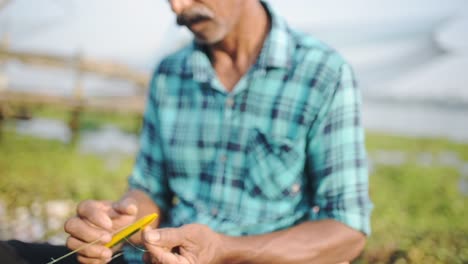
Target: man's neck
{"points": [[241, 47]]}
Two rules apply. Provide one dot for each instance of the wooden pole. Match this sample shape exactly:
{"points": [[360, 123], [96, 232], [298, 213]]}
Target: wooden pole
{"points": [[4, 44], [4, 3], [74, 123]]}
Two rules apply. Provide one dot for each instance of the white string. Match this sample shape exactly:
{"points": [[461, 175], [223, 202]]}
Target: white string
{"points": [[118, 254], [83, 247], [135, 246], [73, 252]]}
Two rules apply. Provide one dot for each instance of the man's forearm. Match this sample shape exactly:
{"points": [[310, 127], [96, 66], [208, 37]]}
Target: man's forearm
{"points": [[326, 241]]}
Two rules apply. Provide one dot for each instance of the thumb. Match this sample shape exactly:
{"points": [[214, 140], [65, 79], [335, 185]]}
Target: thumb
{"points": [[164, 237], [126, 205]]}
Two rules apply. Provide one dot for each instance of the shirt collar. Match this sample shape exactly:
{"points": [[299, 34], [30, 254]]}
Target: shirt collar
{"points": [[276, 51], [277, 48]]}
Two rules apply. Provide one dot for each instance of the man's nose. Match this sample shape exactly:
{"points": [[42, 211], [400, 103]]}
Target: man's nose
{"points": [[178, 6]]}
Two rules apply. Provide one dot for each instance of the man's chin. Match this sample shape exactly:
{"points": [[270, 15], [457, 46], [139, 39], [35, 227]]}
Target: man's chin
{"points": [[208, 39], [204, 41]]}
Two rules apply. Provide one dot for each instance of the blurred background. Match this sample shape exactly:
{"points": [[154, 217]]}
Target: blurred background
{"points": [[73, 77]]}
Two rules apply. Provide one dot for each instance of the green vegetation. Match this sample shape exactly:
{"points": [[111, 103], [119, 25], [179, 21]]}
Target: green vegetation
{"points": [[414, 146], [33, 169], [90, 119], [420, 216]]}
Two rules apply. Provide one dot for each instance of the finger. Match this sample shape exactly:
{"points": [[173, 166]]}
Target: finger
{"points": [[163, 256], [164, 237], [81, 230], [96, 212], [147, 258], [126, 206], [89, 251], [85, 260]]}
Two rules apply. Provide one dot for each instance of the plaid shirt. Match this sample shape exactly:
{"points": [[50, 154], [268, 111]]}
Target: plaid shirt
{"points": [[285, 146]]}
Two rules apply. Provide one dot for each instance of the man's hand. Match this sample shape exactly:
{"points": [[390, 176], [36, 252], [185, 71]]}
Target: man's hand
{"points": [[188, 244], [325, 241], [98, 220]]}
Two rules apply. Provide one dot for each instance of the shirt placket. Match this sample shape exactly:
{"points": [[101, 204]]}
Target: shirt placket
{"points": [[224, 151], [230, 117], [228, 101]]}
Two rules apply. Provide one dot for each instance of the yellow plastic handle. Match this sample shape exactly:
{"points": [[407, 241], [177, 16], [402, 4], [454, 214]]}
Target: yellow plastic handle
{"points": [[132, 229]]}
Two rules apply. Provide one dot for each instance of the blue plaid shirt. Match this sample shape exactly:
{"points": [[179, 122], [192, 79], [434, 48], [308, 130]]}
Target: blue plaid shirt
{"points": [[285, 146]]}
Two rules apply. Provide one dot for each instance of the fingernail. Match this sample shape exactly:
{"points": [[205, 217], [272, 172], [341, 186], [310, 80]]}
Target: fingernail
{"points": [[132, 209], [126, 206], [106, 238], [152, 236], [107, 224]]}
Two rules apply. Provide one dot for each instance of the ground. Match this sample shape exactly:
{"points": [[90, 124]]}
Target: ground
{"points": [[416, 185]]}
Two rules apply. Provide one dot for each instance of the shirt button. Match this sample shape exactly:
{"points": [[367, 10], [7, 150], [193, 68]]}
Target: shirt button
{"points": [[214, 212], [223, 158], [175, 200], [296, 188], [261, 72], [230, 102], [316, 209]]}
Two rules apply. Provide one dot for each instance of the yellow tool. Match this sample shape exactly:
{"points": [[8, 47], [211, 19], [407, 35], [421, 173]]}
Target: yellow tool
{"points": [[118, 237], [131, 229]]}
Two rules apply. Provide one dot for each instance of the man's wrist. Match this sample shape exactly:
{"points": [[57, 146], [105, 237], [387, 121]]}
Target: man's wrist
{"points": [[228, 249], [236, 250]]}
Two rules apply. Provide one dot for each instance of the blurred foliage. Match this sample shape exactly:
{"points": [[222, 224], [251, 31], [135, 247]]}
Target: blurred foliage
{"points": [[34, 169], [414, 145], [420, 216], [92, 120]]}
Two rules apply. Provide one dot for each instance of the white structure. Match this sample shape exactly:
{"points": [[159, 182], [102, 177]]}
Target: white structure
{"points": [[403, 51]]}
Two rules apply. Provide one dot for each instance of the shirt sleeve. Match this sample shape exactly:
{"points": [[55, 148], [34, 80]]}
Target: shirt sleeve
{"points": [[148, 172], [337, 159]]}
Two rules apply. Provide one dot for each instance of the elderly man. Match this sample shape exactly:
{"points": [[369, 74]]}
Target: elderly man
{"points": [[252, 150]]}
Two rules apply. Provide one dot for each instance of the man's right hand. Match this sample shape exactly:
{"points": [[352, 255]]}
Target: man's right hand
{"points": [[97, 220]]}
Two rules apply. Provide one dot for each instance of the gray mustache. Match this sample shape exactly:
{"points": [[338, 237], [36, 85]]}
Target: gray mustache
{"points": [[194, 15]]}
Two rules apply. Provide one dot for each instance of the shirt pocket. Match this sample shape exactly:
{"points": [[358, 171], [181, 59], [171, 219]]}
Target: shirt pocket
{"points": [[275, 166]]}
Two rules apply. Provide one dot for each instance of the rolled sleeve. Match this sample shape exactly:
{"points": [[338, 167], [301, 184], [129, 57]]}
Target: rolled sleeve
{"points": [[148, 172], [337, 159]]}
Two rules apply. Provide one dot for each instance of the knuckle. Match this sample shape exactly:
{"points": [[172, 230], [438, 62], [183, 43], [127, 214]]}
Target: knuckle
{"points": [[70, 225], [73, 244], [88, 250], [81, 259], [69, 243], [91, 252], [83, 206], [85, 260]]}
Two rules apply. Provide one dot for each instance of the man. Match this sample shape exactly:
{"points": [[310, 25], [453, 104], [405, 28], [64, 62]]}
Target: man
{"points": [[252, 150]]}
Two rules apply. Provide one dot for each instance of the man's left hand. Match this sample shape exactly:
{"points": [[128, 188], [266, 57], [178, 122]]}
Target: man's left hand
{"points": [[189, 244]]}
